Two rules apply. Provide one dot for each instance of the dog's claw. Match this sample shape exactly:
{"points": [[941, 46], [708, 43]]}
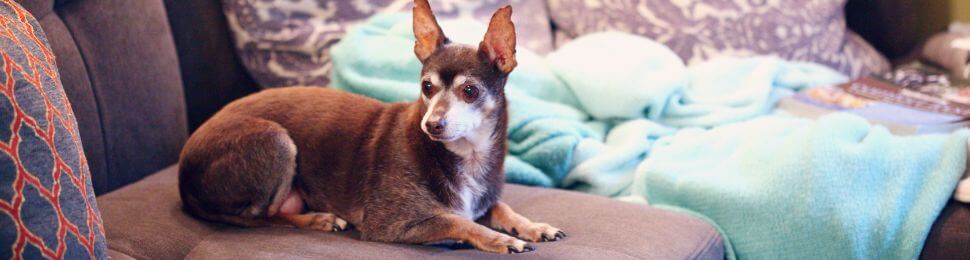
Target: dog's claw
{"points": [[340, 225], [525, 248], [560, 235], [545, 238]]}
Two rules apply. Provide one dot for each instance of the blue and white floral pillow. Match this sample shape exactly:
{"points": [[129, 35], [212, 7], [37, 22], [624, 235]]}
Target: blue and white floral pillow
{"points": [[697, 30], [287, 42]]}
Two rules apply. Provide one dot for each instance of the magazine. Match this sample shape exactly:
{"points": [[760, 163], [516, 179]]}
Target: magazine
{"points": [[913, 99]]}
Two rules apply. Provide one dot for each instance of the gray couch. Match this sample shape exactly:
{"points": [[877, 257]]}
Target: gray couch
{"points": [[136, 96], [142, 74]]}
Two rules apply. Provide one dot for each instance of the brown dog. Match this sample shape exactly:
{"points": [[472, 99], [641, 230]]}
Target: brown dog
{"points": [[418, 172]]}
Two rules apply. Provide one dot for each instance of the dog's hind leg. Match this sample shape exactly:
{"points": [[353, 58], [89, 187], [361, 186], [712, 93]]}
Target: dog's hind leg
{"points": [[313, 220], [238, 170], [289, 211]]}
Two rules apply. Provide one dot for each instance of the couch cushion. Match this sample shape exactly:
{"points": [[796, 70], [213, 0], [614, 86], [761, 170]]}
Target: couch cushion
{"points": [[119, 68], [211, 72], [145, 221]]}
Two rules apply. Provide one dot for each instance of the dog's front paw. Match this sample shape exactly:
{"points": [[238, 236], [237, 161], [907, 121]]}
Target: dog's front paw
{"points": [[538, 232], [508, 245]]}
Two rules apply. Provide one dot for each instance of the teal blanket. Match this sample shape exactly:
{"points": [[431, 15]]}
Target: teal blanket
{"points": [[620, 115], [790, 188]]}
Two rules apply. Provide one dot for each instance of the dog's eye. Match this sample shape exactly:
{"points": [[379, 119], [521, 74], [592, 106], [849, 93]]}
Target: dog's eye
{"points": [[426, 88], [471, 92]]}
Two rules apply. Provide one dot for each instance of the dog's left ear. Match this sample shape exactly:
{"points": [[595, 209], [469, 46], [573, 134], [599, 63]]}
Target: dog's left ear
{"points": [[499, 42]]}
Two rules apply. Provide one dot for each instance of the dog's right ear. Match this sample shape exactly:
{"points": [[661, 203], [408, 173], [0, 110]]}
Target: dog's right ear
{"points": [[427, 34], [499, 42]]}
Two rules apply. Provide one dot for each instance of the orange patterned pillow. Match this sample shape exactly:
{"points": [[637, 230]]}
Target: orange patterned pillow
{"points": [[47, 204]]}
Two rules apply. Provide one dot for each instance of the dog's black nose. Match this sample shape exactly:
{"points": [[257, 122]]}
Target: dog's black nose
{"points": [[435, 127]]}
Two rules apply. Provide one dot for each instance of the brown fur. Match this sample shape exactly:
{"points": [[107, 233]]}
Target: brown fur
{"points": [[349, 157]]}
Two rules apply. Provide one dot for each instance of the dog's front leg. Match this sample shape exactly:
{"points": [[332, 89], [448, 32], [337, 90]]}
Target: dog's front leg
{"points": [[454, 227], [502, 217]]}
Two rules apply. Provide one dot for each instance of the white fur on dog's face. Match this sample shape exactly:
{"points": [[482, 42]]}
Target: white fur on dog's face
{"points": [[468, 133], [463, 119]]}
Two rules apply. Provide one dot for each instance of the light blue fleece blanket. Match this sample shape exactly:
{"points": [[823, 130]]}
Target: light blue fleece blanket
{"points": [[607, 113], [781, 187]]}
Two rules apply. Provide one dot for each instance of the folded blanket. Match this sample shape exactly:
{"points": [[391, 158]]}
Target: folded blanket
{"points": [[792, 188], [604, 114]]}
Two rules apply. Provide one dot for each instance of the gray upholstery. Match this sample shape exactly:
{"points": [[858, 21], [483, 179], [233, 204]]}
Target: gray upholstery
{"points": [[211, 71], [894, 39], [950, 235], [145, 221], [119, 69]]}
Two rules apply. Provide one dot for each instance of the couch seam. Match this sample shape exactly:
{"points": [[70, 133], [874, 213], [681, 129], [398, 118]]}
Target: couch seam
{"points": [[36, 17], [94, 94], [703, 248], [215, 230]]}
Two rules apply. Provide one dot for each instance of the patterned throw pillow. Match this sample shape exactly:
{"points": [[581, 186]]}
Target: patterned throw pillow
{"points": [[808, 30], [287, 42], [47, 204]]}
